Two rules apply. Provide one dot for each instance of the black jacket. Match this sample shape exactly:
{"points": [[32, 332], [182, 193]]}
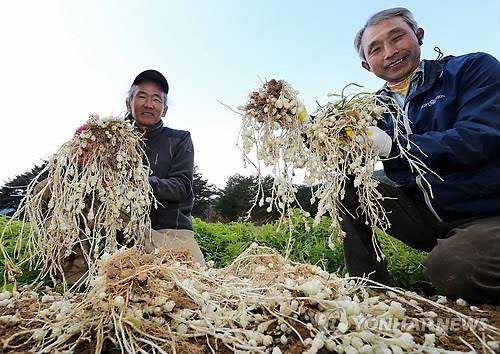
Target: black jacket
{"points": [[171, 157]]}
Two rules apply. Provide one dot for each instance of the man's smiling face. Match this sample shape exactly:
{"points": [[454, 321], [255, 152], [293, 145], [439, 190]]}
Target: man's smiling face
{"points": [[391, 49], [148, 105]]}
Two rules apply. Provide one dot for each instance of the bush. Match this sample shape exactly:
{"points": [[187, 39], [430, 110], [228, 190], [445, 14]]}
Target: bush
{"points": [[10, 232], [222, 243]]}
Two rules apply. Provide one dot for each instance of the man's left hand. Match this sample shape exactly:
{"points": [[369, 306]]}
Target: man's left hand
{"points": [[382, 142]]}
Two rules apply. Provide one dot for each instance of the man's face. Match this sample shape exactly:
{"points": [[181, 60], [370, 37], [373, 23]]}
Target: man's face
{"points": [[391, 49], [147, 106]]}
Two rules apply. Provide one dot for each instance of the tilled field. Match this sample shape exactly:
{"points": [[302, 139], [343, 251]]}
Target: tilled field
{"points": [[260, 303]]}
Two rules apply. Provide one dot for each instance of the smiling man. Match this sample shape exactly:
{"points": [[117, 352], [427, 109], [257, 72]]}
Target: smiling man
{"points": [[391, 49], [171, 158], [452, 121]]}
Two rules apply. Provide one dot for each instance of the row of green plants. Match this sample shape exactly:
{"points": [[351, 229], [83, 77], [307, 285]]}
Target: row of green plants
{"points": [[223, 242]]}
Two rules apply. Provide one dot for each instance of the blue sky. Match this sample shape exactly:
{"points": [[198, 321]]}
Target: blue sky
{"points": [[62, 60]]}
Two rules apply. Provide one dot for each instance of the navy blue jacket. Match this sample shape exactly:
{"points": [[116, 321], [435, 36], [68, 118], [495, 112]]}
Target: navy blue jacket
{"points": [[171, 157], [454, 119]]}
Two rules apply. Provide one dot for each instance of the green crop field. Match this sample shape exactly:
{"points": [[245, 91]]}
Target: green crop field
{"points": [[222, 243]]}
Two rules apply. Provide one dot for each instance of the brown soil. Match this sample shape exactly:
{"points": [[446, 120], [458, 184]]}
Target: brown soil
{"points": [[457, 332]]}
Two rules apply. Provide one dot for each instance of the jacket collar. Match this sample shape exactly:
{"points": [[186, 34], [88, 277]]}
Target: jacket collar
{"points": [[154, 130], [428, 73], [416, 81], [433, 71], [150, 132]]}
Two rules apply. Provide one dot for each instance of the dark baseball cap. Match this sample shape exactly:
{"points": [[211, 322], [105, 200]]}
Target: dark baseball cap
{"points": [[152, 75]]}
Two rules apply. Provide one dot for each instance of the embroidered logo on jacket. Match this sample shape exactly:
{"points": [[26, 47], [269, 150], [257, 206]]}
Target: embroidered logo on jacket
{"points": [[432, 102]]}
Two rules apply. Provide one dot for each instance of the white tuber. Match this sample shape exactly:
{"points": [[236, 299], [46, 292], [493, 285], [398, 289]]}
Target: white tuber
{"points": [[311, 287], [430, 340], [493, 344], [182, 329], [4, 295], [119, 301], [38, 334]]}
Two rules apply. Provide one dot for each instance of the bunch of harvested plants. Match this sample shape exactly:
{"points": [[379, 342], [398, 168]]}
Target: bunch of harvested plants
{"points": [[332, 149], [97, 188], [273, 125]]}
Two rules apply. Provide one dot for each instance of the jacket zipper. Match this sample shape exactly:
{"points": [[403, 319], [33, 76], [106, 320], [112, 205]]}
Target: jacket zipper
{"points": [[418, 179], [427, 198], [406, 120]]}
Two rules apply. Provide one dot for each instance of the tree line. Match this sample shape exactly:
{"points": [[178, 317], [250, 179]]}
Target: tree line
{"points": [[212, 204]]}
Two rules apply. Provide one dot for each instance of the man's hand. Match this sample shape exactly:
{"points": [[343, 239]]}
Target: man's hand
{"points": [[81, 129], [301, 111], [381, 141], [82, 158]]}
